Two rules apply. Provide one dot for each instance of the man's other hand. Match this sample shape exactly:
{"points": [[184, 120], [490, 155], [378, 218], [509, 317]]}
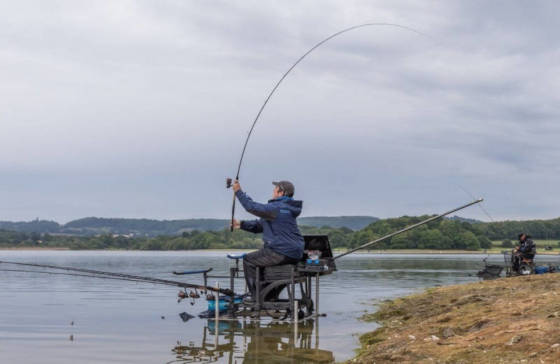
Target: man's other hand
{"points": [[236, 224], [236, 186]]}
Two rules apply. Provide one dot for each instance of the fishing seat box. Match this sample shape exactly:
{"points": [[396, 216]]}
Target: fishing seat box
{"points": [[325, 265]]}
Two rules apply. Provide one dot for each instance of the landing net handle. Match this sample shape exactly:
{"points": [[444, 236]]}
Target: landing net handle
{"points": [[408, 228]]}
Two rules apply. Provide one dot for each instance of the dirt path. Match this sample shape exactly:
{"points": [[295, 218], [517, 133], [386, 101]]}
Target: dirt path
{"points": [[510, 320]]}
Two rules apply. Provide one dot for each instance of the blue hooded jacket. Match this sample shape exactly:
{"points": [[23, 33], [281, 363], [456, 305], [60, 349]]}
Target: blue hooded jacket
{"points": [[277, 223]]}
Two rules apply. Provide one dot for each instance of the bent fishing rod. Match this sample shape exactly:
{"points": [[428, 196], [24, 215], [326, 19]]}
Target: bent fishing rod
{"points": [[414, 226], [269, 96], [119, 276]]}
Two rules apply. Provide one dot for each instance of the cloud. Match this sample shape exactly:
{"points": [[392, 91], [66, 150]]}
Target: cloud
{"points": [[138, 108]]}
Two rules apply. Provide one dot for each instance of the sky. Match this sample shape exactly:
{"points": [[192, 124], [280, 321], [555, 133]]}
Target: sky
{"points": [[141, 108]]}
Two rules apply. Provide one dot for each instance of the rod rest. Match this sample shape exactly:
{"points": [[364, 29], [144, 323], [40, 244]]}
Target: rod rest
{"points": [[236, 256]]}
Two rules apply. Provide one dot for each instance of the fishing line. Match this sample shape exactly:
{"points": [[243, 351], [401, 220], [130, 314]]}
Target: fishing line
{"points": [[403, 27], [480, 205]]}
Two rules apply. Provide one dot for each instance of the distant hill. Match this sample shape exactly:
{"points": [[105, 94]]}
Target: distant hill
{"points": [[145, 227], [35, 226], [149, 227]]}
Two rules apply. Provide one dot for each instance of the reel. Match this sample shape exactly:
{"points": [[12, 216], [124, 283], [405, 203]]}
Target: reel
{"points": [[193, 295]]}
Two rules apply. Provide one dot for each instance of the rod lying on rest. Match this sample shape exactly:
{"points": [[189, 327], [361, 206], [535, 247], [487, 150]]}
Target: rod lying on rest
{"points": [[122, 276], [408, 228]]}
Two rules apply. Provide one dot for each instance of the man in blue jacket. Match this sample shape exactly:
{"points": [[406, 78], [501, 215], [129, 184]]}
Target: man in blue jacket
{"points": [[283, 242]]}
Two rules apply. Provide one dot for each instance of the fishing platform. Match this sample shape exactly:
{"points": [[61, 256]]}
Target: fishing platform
{"points": [[299, 282]]}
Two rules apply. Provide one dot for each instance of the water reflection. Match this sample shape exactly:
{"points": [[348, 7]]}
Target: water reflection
{"points": [[254, 342]]}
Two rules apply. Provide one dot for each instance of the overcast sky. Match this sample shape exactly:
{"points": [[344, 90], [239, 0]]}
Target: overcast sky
{"points": [[140, 108]]}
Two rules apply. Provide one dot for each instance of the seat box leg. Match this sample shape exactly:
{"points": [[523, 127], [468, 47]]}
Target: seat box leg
{"points": [[258, 293]]}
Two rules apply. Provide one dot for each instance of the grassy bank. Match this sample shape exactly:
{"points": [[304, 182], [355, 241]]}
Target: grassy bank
{"points": [[509, 320], [540, 243]]}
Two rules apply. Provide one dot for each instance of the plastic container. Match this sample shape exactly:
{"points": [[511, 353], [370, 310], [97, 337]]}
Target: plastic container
{"points": [[223, 303]]}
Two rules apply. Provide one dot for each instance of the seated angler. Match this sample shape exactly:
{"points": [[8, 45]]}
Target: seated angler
{"points": [[525, 251], [283, 242]]}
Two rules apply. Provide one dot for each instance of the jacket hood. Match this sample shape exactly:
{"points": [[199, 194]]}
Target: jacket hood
{"points": [[294, 206]]}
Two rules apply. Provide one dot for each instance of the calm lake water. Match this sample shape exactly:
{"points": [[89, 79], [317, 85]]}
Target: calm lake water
{"points": [[63, 319]]}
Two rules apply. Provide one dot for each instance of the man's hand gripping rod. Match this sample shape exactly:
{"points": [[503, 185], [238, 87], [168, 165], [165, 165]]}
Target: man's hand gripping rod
{"points": [[408, 228]]}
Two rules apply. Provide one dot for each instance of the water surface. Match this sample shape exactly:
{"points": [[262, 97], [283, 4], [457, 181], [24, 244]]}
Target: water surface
{"points": [[62, 319]]}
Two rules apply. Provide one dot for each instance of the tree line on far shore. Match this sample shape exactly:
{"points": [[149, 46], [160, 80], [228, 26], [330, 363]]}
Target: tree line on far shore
{"points": [[538, 229], [439, 234], [91, 226]]}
